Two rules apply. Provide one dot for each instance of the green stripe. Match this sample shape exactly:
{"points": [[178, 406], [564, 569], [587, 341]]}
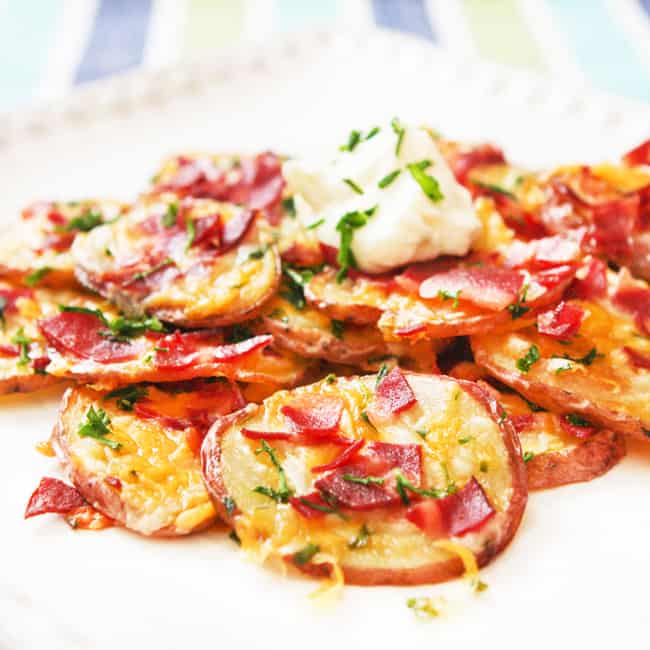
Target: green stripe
{"points": [[26, 35], [501, 34], [211, 24], [294, 14]]}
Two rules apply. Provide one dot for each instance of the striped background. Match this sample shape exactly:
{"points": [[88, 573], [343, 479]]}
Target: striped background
{"points": [[47, 46]]}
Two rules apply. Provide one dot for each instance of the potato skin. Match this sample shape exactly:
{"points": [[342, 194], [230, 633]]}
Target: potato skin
{"points": [[364, 576], [26, 383], [96, 491], [588, 460]]}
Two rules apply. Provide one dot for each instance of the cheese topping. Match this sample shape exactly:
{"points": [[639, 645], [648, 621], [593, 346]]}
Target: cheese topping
{"points": [[409, 223]]}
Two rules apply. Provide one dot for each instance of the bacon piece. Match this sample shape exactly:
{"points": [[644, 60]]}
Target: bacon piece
{"points": [[87, 518], [636, 301], [55, 217], [236, 228], [576, 430], [346, 456], [562, 322], [315, 415], [463, 162], [234, 351], [8, 350], [53, 495], [590, 282], [78, 334], [176, 351], [208, 230], [453, 515], [411, 330], [637, 359], [377, 460], [254, 434], [613, 224], [11, 295], [394, 394], [414, 275], [57, 241], [486, 286], [302, 505], [639, 155], [522, 422]]}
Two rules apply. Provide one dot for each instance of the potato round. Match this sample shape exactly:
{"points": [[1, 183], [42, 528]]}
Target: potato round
{"points": [[397, 551]]}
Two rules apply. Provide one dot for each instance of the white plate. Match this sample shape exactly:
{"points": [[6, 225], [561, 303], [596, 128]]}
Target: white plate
{"points": [[577, 572]]}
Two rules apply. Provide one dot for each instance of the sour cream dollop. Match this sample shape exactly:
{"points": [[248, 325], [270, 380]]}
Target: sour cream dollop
{"points": [[406, 225]]}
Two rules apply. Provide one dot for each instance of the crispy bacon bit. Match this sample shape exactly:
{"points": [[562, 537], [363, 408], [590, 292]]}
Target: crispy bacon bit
{"points": [[236, 228], [176, 351], [486, 286], [554, 277], [394, 394], [315, 415], [453, 515], [87, 518], [208, 230], [522, 422], [303, 505], [637, 359], [53, 495], [234, 351], [635, 300], [114, 482], [40, 363], [562, 322], [10, 296], [8, 350], [78, 334], [577, 430], [463, 162], [55, 217], [590, 282], [255, 434], [411, 330], [639, 155], [343, 459], [377, 460]]}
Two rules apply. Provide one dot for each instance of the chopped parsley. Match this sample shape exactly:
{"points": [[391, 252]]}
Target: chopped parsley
{"points": [[423, 607], [364, 480], [284, 492], [314, 225], [373, 132], [191, 233], [352, 185], [465, 440], [532, 406], [279, 314], [362, 539], [346, 226], [517, 309], [403, 484], [169, 218], [97, 426], [383, 371], [289, 206], [423, 433], [85, 222], [388, 179], [126, 397], [495, 188], [353, 140], [331, 378], [36, 276], [294, 281], [120, 329], [450, 295], [528, 456], [235, 537], [399, 130], [532, 356], [328, 509], [306, 554], [258, 253], [229, 504], [428, 183], [577, 421], [587, 360], [239, 333], [23, 342], [338, 328]]}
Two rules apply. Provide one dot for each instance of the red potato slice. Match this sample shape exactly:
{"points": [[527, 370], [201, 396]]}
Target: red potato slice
{"points": [[149, 480], [36, 249], [80, 347], [194, 263], [23, 349], [350, 415], [553, 453], [600, 374]]}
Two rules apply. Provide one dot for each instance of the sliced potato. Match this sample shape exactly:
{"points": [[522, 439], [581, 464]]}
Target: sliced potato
{"points": [[556, 452], [373, 541], [194, 263], [592, 374], [141, 468], [36, 248]]}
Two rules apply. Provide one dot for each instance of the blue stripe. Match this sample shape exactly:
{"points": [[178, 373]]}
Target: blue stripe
{"points": [[294, 14], [26, 36], [646, 5], [602, 50], [406, 15], [117, 41]]}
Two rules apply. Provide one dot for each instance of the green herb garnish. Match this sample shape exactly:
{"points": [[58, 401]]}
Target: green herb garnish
{"points": [[169, 218], [3, 305], [229, 504], [330, 509], [353, 140], [338, 328], [450, 295], [587, 360], [346, 226], [364, 480], [494, 188], [422, 607], [577, 421], [352, 185], [399, 130], [190, 226], [85, 222], [517, 309], [289, 206], [423, 433], [141, 275], [36, 276], [316, 224], [532, 356], [97, 426], [23, 342], [306, 554], [362, 539], [528, 456], [126, 397], [284, 492], [389, 178], [428, 183], [235, 537], [403, 484], [383, 371]]}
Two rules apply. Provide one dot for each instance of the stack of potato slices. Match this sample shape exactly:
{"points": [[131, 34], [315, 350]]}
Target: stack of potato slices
{"points": [[375, 429]]}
